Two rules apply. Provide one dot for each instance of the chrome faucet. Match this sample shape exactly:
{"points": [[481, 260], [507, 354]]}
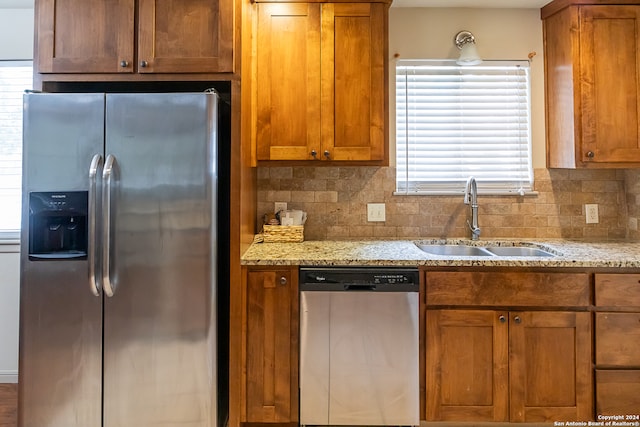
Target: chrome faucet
{"points": [[471, 197]]}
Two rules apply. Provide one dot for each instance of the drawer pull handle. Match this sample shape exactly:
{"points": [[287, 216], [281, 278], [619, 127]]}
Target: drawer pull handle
{"points": [[283, 280], [517, 319], [502, 319]]}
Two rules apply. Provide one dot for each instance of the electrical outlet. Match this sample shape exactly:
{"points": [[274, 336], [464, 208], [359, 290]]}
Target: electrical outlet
{"points": [[591, 213], [280, 206], [376, 212]]}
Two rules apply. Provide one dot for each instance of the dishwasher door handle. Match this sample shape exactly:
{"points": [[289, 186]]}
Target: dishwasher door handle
{"points": [[359, 287]]}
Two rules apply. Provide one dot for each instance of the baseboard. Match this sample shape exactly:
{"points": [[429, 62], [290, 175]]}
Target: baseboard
{"points": [[8, 377]]}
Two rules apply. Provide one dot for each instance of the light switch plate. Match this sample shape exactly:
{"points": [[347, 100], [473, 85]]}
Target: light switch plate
{"points": [[376, 212]]}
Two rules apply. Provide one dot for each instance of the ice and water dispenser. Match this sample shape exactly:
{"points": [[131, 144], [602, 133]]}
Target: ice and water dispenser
{"points": [[58, 225]]}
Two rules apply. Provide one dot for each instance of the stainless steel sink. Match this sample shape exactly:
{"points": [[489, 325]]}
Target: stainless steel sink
{"points": [[518, 251], [448, 249], [454, 250]]}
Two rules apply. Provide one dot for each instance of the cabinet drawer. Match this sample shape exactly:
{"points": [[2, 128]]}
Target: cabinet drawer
{"points": [[508, 289], [618, 339], [618, 290], [617, 392]]}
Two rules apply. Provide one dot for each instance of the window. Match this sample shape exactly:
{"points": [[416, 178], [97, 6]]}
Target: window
{"points": [[15, 78], [453, 122]]}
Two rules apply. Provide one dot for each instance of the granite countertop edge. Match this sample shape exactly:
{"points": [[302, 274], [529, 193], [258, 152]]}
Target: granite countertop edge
{"points": [[405, 253]]}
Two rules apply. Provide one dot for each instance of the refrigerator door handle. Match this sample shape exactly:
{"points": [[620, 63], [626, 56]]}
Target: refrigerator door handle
{"points": [[107, 182], [94, 170]]}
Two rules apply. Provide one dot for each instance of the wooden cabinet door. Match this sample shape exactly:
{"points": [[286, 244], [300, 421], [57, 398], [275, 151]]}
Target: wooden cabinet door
{"points": [[321, 81], [354, 80], [185, 36], [288, 81], [84, 36], [467, 370], [550, 366], [609, 84], [271, 346]]}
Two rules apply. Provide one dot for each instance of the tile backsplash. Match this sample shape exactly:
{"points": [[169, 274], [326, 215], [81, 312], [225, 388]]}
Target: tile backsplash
{"points": [[632, 186], [336, 201]]}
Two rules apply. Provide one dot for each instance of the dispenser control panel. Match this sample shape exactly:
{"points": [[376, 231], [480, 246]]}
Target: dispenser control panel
{"points": [[58, 225]]}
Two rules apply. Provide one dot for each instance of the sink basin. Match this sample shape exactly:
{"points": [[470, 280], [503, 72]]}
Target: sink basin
{"points": [[518, 251], [448, 249], [454, 250]]}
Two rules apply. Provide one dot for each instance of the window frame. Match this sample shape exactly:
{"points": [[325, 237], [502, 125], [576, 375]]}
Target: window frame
{"points": [[521, 185], [12, 235]]}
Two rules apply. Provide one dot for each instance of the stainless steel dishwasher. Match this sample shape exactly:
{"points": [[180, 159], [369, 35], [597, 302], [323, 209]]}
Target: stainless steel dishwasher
{"points": [[359, 346]]}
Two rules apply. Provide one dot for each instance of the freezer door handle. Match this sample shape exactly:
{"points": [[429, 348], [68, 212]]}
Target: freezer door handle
{"points": [[94, 170], [108, 178]]}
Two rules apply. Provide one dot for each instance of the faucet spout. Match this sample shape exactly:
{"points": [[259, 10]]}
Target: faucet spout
{"points": [[471, 198]]}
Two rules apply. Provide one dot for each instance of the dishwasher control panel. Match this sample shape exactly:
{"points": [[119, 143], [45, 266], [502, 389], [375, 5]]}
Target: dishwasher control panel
{"points": [[380, 279]]}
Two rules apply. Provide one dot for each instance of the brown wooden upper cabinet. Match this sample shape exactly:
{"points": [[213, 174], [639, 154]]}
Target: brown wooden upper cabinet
{"points": [[171, 36], [321, 75], [592, 60]]}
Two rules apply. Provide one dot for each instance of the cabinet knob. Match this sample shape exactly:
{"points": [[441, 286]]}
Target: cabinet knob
{"points": [[283, 280], [591, 154], [327, 154], [502, 319], [314, 153], [144, 64], [517, 319], [124, 64]]}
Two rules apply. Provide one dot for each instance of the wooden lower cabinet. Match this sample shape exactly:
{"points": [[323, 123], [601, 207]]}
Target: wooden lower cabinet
{"points": [[271, 346], [492, 365], [617, 344]]}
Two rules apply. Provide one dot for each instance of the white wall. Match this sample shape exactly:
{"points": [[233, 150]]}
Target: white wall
{"points": [[16, 33], [427, 33]]}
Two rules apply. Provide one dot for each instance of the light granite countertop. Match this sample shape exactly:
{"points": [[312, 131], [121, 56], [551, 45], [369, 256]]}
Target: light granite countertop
{"points": [[569, 253]]}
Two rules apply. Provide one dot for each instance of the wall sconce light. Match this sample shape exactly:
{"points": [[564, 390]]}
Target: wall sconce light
{"points": [[465, 41]]}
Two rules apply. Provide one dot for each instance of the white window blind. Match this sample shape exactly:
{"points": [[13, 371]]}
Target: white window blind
{"points": [[15, 78], [453, 122]]}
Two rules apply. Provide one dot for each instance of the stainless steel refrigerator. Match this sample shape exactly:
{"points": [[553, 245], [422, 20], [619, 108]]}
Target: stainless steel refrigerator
{"points": [[120, 244]]}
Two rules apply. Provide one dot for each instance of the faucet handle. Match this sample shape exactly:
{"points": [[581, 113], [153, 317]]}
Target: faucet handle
{"points": [[475, 231]]}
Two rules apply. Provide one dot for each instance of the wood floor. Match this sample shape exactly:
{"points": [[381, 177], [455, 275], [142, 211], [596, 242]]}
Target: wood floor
{"points": [[8, 405]]}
